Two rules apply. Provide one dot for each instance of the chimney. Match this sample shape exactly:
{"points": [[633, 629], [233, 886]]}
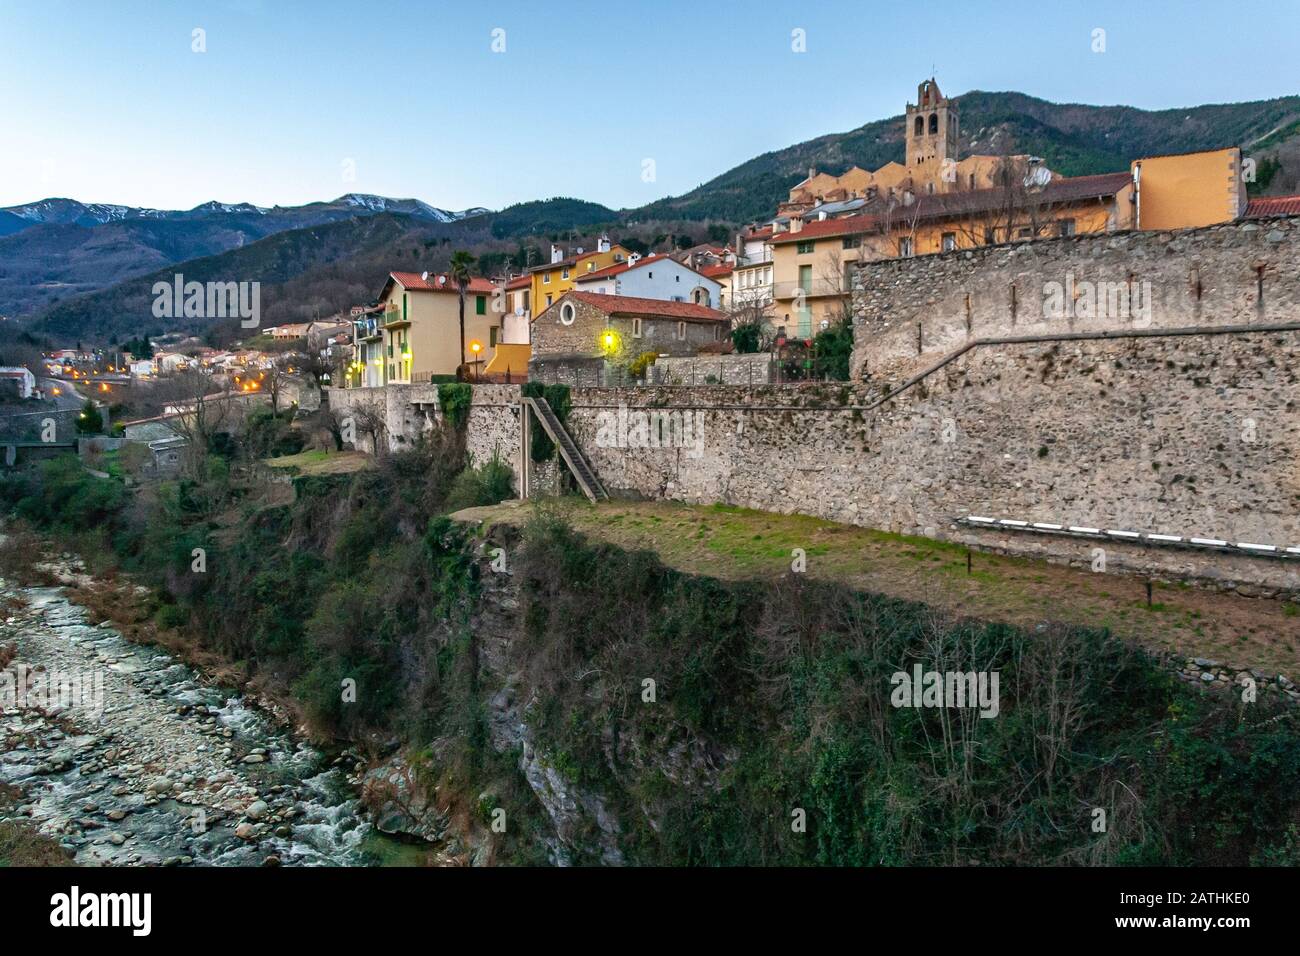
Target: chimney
{"points": [[812, 171], [602, 245], [556, 253]]}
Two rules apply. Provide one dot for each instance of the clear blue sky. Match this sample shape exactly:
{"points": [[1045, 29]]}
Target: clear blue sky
{"points": [[106, 102]]}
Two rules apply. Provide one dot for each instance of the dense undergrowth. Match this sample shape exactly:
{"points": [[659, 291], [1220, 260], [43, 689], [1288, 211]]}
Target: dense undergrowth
{"points": [[771, 703], [769, 700]]}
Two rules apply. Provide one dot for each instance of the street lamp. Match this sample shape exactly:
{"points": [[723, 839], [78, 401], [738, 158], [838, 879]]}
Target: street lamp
{"points": [[476, 347]]}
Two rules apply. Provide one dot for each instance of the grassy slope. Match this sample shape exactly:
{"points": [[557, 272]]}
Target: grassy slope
{"points": [[739, 544]]}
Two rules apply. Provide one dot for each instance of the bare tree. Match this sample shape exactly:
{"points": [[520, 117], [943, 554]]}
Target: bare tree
{"points": [[197, 410], [369, 419]]}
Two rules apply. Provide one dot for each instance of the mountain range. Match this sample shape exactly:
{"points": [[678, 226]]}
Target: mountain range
{"points": [[54, 249], [76, 269]]}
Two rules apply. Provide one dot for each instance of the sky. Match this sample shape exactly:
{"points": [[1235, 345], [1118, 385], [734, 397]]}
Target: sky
{"points": [[490, 103]]}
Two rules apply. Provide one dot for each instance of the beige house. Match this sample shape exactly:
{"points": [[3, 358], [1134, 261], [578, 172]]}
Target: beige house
{"points": [[419, 322]]}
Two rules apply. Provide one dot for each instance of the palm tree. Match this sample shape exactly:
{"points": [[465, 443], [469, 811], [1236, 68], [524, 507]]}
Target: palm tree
{"points": [[459, 272]]}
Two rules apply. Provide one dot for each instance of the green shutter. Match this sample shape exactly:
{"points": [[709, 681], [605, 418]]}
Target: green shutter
{"points": [[480, 305]]}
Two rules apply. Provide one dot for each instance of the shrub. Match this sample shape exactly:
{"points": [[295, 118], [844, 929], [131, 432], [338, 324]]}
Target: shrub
{"points": [[747, 338], [488, 484], [455, 399], [638, 366]]}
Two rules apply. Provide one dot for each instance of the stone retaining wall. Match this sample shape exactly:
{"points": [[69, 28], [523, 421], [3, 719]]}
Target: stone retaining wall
{"points": [[910, 313]]}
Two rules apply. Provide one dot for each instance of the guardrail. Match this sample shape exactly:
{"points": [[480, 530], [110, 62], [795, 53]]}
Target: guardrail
{"points": [[1246, 548]]}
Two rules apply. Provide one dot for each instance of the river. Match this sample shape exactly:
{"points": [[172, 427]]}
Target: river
{"points": [[139, 761]]}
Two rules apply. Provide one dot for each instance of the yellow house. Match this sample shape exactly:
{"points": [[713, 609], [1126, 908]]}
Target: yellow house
{"points": [[1186, 190], [553, 279], [421, 326]]}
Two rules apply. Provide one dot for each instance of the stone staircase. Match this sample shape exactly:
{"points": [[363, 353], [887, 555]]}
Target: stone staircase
{"points": [[569, 450]]}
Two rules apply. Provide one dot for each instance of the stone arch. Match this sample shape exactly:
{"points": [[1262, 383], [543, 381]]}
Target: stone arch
{"points": [[934, 123], [920, 125]]}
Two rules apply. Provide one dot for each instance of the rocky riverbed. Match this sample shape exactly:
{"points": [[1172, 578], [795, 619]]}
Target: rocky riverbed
{"points": [[139, 761]]}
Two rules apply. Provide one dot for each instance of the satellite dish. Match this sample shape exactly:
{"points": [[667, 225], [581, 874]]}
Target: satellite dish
{"points": [[519, 311], [424, 276], [442, 280]]}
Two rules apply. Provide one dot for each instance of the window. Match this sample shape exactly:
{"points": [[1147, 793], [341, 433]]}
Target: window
{"points": [[564, 273], [990, 236], [681, 331], [1065, 227], [920, 125], [803, 248], [677, 278], [972, 180], [567, 313], [905, 246], [548, 298], [492, 336], [851, 242], [1025, 232], [717, 333], [934, 123], [949, 242], [546, 279], [636, 328], [480, 305]]}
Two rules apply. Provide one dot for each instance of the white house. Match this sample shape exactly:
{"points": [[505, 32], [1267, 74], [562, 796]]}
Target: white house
{"points": [[653, 277], [17, 377], [164, 362]]}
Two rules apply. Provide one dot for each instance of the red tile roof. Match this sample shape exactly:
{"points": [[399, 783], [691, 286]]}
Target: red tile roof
{"points": [[520, 282], [415, 282], [721, 269], [1268, 206], [822, 228], [634, 305]]}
